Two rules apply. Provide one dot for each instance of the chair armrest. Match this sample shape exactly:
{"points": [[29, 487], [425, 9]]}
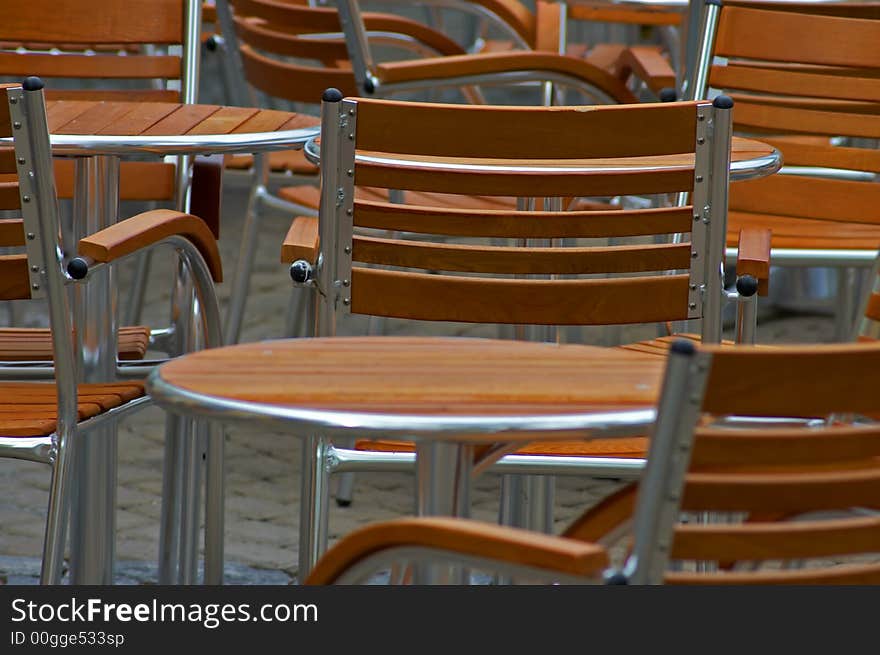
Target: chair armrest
{"points": [[648, 64], [301, 241], [463, 66], [206, 191], [753, 257], [437, 41], [515, 15], [143, 230], [462, 537]]}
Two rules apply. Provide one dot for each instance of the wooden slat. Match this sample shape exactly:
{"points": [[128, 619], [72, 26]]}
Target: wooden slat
{"points": [[265, 120], [633, 15], [790, 232], [526, 132], [809, 197], [780, 119], [293, 81], [10, 197], [662, 179], [781, 492], [11, 232], [60, 112], [5, 122], [824, 154], [124, 95], [141, 118], [848, 574], [793, 82], [872, 311], [725, 447], [257, 36], [182, 120], [76, 22], [14, 281], [820, 380], [90, 66], [794, 37], [533, 261], [492, 300], [97, 117], [301, 241], [291, 16], [223, 121], [138, 180], [7, 159], [512, 224]]}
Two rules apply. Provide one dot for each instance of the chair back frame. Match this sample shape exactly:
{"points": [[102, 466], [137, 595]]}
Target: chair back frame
{"points": [[333, 273]]}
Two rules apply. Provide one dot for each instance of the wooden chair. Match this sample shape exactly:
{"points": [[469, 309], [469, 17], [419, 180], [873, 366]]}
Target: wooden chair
{"points": [[276, 45], [805, 79], [738, 480], [76, 48], [501, 151], [39, 421]]}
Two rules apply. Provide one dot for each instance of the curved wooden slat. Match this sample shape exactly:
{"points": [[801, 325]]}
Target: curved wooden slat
{"points": [[512, 224], [591, 132], [117, 21], [835, 84], [99, 66], [780, 119], [292, 81], [531, 261], [797, 37], [257, 36], [779, 540], [824, 154], [491, 300], [839, 575]]}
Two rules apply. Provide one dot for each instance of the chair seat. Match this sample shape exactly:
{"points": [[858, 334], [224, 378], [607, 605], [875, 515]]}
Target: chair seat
{"points": [[29, 409], [625, 448], [789, 232], [35, 344], [281, 161]]}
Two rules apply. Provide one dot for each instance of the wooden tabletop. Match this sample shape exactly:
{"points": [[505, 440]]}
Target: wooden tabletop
{"points": [[115, 118], [430, 376]]}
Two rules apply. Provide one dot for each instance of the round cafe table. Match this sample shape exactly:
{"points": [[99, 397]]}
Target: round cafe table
{"points": [[449, 395], [97, 134]]}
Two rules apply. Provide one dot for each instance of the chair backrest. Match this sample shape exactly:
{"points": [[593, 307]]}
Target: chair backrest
{"points": [[82, 39], [28, 188], [522, 152], [108, 50], [779, 504], [291, 50], [801, 77]]}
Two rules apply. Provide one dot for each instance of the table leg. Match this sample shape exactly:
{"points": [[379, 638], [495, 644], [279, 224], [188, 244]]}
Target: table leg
{"points": [[92, 547], [443, 483], [314, 494]]}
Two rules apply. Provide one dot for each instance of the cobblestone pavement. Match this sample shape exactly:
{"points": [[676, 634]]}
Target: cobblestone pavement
{"points": [[262, 466]]}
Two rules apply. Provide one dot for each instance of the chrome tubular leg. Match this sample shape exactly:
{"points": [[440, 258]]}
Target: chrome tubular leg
{"points": [[313, 504], [215, 494], [244, 265], [345, 481], [443, 474], [56, 520], [193, 447], [540, 491], [170, 518], [93, 513], [846, 300]]}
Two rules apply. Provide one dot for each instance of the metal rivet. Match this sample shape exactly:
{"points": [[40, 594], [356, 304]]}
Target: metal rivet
{"points": [[13, 101], [346, 283], [346, 301], [701, 140], [26, 198], [696, 217], [347, 250], [349, 212], [349, 172], [351, 137], [35, 286], [35, 268], [17, 125], [701, 117], [693, 287], [693, 305], [694, 254], [31, 236], [21, 160], [699, 178], [351, 112]]}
